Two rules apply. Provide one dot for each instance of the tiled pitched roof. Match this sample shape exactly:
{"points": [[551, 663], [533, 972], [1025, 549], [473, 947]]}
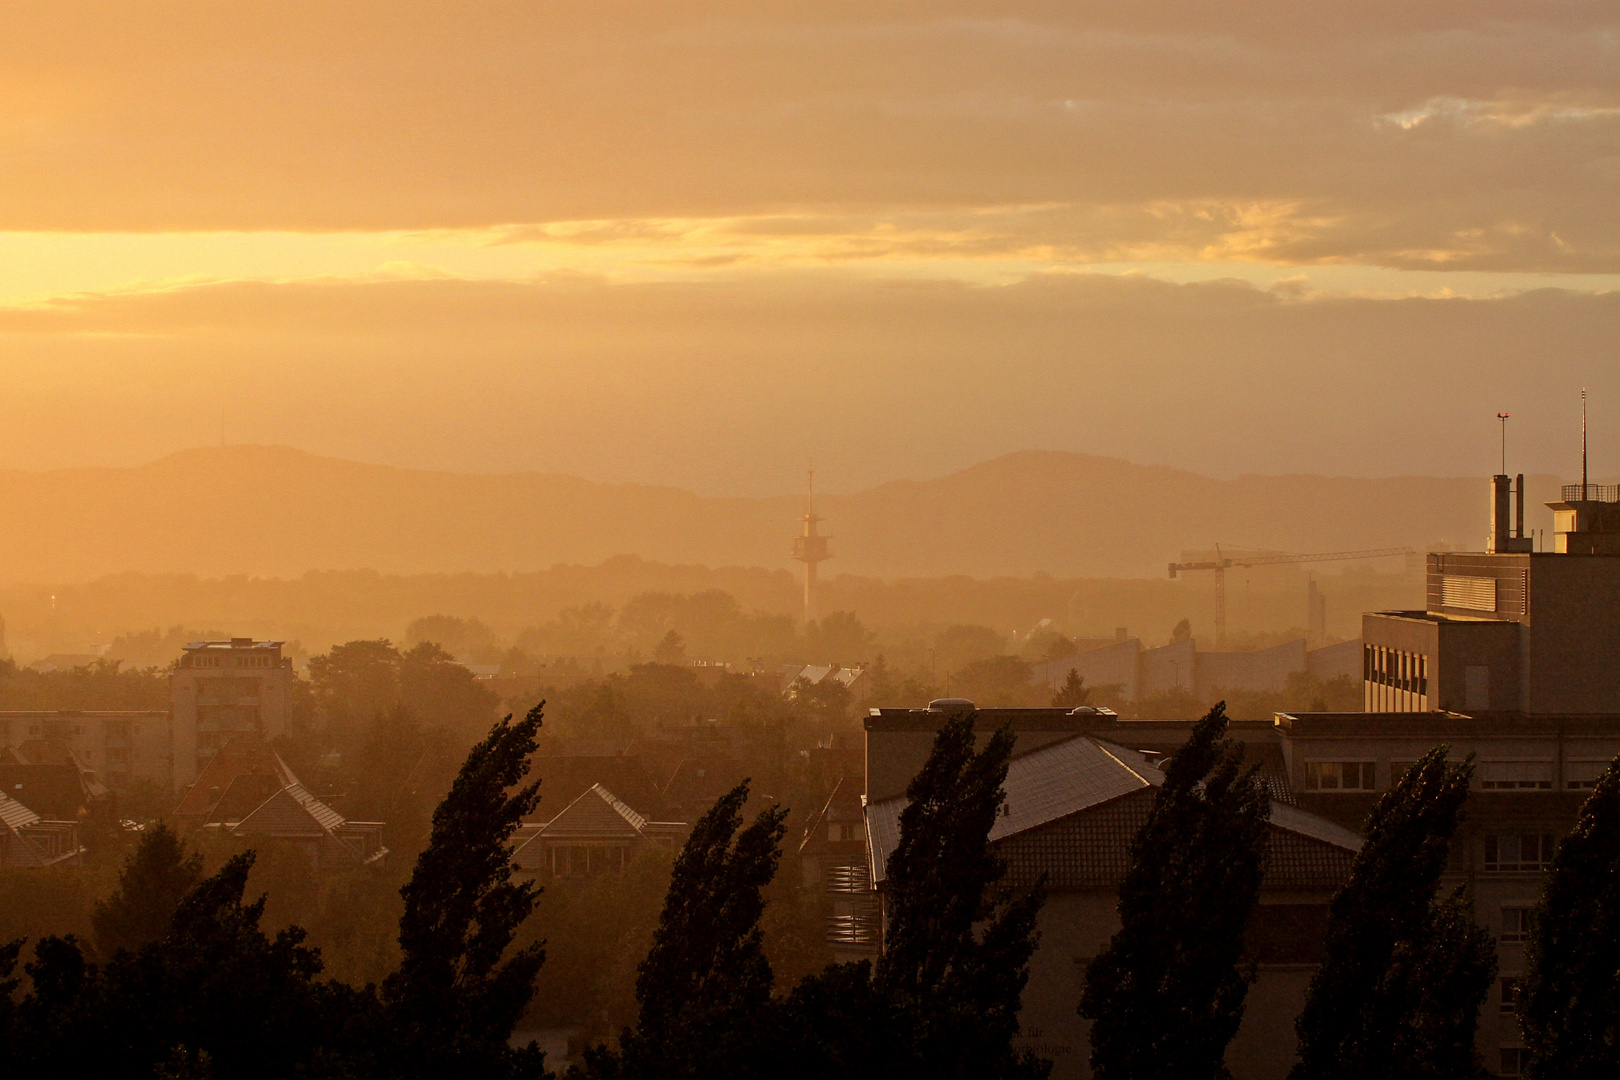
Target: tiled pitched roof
{"points": [[597, 813], [1047, 784], [292, 811], [14, 815], [243, 755], [1074, 807]]}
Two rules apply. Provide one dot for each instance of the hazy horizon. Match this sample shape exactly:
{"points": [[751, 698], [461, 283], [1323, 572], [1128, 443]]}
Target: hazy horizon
{"points": [[708, 245]]}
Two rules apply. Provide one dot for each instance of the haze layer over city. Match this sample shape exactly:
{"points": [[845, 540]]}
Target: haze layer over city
{"points": [[862, 461]]}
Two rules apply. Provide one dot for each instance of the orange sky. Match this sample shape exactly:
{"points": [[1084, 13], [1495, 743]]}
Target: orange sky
{"points": [[704, 243]]}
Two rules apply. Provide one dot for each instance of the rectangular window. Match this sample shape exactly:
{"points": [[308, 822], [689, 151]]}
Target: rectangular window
{"points": [[1512, 1061], [1515, 924], [1583, 775], [1515, 853], [1510, 995], [1516, 775], [1340, 776]]}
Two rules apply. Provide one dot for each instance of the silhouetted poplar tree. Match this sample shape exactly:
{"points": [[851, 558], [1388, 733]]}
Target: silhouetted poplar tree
{"points": [[1569, 1000], [957, 944], [704, 989], [456, 997], [1167, 994], [1399, 992], [155, 877]]}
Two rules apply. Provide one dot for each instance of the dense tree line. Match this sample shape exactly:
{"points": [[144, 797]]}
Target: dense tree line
{"points": [[182, 979]]}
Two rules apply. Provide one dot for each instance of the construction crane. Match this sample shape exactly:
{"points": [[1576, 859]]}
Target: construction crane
{"points": [[1220, 563]]}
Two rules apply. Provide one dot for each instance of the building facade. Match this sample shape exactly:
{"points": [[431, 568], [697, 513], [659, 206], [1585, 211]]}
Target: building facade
{"points": [[1080, 783], [222, 689], [119, 748], [1509, 629]]}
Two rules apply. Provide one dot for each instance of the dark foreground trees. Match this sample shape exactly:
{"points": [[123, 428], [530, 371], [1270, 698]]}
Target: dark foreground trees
{"points": [[704, 989], [1406, 971], [1167, 995], [457, 995], [1569, 1001], [944, 997], [942, 1002], [209, 994]]}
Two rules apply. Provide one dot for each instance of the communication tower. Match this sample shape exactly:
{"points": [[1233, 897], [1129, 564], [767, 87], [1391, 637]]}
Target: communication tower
{"points": [[810, 548]]}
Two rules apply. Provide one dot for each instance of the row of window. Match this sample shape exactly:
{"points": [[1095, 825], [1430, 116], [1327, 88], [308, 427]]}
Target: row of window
{"points": [[1395, 668], [218, 660], [1488, 775]]}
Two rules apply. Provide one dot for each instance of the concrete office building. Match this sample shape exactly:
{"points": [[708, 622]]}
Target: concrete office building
{"points": [[1510, 629], [221, 689]]}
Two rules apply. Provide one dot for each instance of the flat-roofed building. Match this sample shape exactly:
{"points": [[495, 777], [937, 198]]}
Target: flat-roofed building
{"points": [[222, 689], [1532, 773], [118, 747], [1510, 629]]}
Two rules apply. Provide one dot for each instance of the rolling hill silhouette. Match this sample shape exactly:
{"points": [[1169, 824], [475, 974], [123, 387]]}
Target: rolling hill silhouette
{"points": [[277, 511]]}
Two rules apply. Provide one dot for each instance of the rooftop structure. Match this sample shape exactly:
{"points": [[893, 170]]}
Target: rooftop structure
{"points": [[1510, 628]]}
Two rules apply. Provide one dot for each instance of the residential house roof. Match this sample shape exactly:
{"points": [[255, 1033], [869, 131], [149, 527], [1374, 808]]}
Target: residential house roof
{"points": [[1074, 806]]}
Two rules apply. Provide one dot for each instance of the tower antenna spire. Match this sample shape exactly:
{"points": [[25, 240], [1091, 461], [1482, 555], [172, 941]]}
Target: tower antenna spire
{"points": [[810, 548], [1583, 442], [1502, 416]]}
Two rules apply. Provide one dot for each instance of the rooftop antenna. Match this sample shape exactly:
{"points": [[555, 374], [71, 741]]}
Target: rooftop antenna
{"points": [[1583, 442], [1502, 416]]}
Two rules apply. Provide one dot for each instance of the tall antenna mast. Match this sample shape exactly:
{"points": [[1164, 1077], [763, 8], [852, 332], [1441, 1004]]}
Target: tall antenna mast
{"points": [[1583, 442], [810, 548], [1502, 416]]}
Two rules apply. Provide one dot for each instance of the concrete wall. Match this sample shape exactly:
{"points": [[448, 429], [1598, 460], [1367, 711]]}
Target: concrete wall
{"points": [[1335, 661], [1118, 663], [1263, 669], [1573, 661], [1169, 667]]}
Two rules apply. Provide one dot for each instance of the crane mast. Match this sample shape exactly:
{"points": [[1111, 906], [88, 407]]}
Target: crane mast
{"points": [[1221, 563]]}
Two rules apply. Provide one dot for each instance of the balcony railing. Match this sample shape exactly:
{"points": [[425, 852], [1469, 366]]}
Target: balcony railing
{"points": [[1592, 493]]}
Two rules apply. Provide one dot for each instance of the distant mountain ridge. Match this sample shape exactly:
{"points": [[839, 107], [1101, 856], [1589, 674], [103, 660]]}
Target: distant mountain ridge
{"points": [[274, 511]]}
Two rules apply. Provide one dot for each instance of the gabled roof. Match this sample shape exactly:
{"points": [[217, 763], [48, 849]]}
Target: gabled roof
{"points": [[596, 814], [292, 811], [1057, 780], [1073, 806], [245, 755]]}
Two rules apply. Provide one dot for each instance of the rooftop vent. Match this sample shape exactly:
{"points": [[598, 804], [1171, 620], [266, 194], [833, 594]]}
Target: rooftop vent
{"points": [[951, 705]]}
